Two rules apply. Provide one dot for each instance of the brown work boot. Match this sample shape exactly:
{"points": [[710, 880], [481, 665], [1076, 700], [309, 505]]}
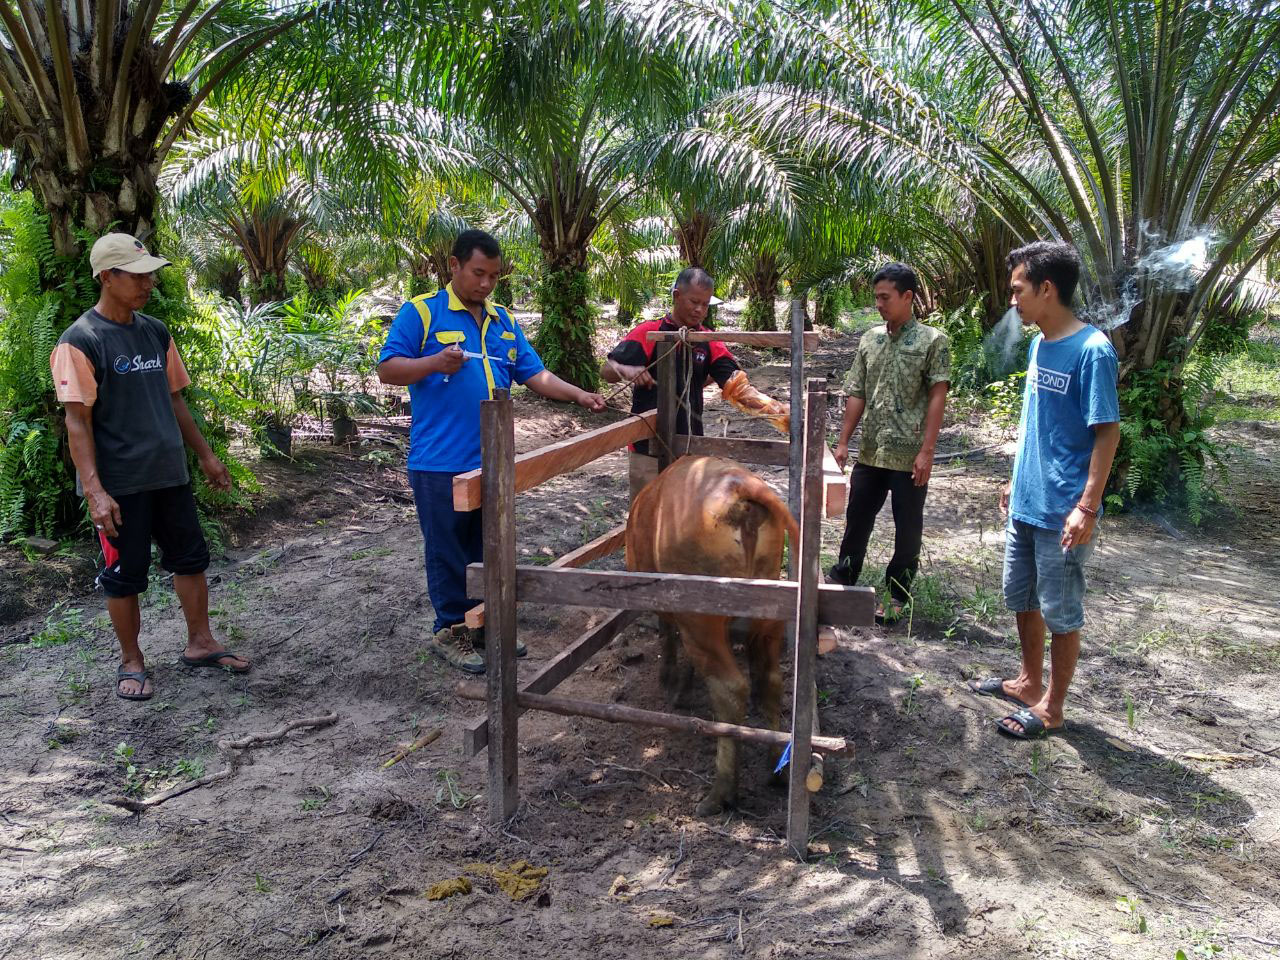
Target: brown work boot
{"points": [[454, 645], [477, 641]]}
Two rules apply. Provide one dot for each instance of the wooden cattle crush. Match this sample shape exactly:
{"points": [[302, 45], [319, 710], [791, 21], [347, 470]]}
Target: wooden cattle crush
{"points": [[803, 601]]}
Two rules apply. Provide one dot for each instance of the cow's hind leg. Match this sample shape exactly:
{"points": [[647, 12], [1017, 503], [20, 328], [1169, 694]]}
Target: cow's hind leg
{"points": [[675, 674], [764, 649], [706, 640]]}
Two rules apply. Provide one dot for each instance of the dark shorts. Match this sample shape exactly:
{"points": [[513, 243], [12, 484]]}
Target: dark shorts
{"points": [[169, 517]]}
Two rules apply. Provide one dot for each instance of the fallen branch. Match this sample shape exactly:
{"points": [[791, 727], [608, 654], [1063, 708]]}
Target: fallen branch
{"points": [[1265, 751], [395, 493], [429, 737], [224, 746], [257, 739], [679, 860], [137, 806]]}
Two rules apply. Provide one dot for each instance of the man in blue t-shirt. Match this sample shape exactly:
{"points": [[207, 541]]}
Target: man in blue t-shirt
{"points": [[428, 350], [1066, 442]]}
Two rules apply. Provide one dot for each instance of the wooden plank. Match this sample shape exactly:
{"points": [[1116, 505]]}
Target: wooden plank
{"points": [[538, 466], [682, 593], [835, 485], [497, 423], [770, 452], [601, 546], [752, 339], [475, 736], [668, 403], [619, 713], [804, 689]]}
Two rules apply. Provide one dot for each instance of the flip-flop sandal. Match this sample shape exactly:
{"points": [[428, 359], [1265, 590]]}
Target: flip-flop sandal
{"points": [[214, 661], [1033, 727], [140, 676], [994, 687]]}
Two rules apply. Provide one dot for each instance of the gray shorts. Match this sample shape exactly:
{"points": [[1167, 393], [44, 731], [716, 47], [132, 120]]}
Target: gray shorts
{"points": [[1040, 575]]}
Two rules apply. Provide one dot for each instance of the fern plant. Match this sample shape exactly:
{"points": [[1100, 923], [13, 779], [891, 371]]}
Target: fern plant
{"points": [[1161, 465]]}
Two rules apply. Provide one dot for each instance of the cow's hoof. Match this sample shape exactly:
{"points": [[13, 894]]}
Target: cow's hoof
{"points": [[715, 803]]}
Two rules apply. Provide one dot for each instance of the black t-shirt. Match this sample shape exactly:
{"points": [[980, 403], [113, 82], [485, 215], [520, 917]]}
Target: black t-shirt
{"points": [[709, 360], [126, 373]]}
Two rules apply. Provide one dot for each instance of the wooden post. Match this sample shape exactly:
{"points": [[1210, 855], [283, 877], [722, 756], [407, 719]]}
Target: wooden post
{"points": [[499, 448], [668, 402], [804, 691], [795, 462]]}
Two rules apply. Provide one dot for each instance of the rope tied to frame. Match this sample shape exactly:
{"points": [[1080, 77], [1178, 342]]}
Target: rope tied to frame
{"points": [[738, 392]]}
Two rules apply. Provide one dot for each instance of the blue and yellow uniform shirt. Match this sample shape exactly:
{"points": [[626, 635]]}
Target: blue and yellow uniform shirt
{"points": [[445, 436]]}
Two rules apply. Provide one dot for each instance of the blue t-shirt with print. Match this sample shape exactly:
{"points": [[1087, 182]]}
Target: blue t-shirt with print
{"points": [[1071, 388], [445, 435]]}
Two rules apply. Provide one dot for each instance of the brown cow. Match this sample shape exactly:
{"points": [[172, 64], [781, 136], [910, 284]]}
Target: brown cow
{"points": [[704, 515]]}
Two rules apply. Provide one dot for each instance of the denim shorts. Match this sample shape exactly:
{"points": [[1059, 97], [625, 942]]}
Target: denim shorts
{"points": [[1040, 575]]}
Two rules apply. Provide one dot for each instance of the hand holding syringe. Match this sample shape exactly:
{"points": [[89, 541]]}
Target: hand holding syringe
{"points": [[463, 354]]}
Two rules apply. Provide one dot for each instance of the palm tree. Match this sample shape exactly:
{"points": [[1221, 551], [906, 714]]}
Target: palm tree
{"points": [[94, 95], [268, 178], [1140, 130], [1151, 119], [567, 113]]}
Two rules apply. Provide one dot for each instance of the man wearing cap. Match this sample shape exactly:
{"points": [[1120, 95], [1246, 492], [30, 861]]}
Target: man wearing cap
{"points": [[452, 349], [120, 378], [631, 360]]}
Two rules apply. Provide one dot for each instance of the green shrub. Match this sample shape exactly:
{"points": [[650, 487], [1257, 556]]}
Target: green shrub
{"points": [[40, 295], [1160, 464]]}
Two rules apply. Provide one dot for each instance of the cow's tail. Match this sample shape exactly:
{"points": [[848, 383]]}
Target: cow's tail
{"points": [[755, 490]]}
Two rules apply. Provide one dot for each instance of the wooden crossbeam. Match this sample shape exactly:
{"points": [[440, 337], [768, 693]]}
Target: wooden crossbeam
{"points": [[770, 452], [601, 546], [682, 593], [475, 736], [620, 713], [753, 339], [538, 466]]}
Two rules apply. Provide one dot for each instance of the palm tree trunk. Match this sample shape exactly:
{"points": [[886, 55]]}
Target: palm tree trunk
{"points": [[762, 292], [693, 237], [563, 340], [228, 282], [93, 203]]}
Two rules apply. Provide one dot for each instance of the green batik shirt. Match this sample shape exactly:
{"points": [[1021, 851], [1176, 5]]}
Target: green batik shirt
{"points": [[893, 375]]}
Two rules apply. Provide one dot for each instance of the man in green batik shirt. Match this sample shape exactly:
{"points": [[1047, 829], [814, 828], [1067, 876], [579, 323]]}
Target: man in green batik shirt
{"points": [[899, 380]]}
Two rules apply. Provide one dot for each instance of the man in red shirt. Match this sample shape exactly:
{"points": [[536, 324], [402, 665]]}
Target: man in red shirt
{"points": [[691, 297]]}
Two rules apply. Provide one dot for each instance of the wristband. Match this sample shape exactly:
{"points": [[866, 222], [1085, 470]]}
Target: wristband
{"points": [[1086, 511]]}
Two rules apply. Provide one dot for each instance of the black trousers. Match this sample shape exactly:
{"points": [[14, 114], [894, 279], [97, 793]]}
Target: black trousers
{"points": [[868, 487]]}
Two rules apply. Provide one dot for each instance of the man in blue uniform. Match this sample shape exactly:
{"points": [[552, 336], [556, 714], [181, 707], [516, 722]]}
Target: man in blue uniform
{"points": [[425, 352]]}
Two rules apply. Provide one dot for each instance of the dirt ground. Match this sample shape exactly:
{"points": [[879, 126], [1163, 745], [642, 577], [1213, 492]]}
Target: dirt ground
{"points": [[1149, 830]]}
